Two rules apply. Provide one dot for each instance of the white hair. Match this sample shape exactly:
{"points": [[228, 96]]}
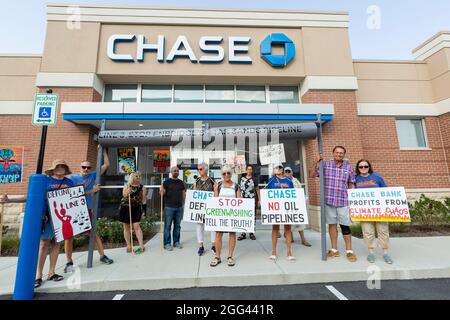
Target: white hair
{"points": [[203, 165]]}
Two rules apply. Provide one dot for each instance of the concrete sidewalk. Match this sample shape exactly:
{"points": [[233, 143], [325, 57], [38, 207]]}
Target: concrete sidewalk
{"points": [[414, 258]]}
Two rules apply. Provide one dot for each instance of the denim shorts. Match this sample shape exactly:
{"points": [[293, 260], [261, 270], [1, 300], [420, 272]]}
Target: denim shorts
{"points": [[49, 233]]}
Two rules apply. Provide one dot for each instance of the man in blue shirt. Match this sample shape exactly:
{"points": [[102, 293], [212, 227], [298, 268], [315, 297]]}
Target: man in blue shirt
{"points": [[86, 178]]}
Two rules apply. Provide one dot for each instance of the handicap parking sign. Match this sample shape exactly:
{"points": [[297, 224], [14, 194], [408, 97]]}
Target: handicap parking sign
{"points": [[45, 112], [45, 109]]}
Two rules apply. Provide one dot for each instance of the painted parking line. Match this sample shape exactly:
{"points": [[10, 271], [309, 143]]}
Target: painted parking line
{"points": [[334, 291], [118, 297]]}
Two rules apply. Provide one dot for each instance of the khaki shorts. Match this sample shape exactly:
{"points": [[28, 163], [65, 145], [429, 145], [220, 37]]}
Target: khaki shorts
{"points": [[337, 215]]}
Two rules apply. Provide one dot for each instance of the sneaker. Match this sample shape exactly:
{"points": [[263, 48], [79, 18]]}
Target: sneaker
{"points": [[168, 247], [106, 260], [351, 257], [332, 254], [230, 261], [139, 250], [201, 250], [387, 259], [213, 249], [371, 258], [178, 245], [69, 267]]}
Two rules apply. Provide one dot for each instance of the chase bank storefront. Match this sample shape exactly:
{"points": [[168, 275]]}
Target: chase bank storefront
{"points": [[151, 78]]}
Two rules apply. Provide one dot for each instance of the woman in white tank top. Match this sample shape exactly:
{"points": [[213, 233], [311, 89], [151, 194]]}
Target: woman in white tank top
{"points": [[228, 189]]}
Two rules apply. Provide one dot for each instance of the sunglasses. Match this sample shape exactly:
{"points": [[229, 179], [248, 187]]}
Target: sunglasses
{"points": [[84, 167], [279, 167], [363, 167], [200, 169], [287, 171], [226, 174]]}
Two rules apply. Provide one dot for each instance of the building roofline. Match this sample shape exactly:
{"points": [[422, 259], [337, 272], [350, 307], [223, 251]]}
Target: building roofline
{"points": [[387, 61], [437, 35], [20, 55]]}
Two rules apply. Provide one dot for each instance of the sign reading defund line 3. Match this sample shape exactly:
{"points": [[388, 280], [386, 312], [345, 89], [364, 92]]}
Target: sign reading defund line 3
{"points": [[195, 205], [283, 206], [379, 204]]}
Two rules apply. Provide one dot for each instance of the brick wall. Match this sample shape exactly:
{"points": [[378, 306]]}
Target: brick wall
{"points": [[344, 130], [444, 126], [68, 141]]}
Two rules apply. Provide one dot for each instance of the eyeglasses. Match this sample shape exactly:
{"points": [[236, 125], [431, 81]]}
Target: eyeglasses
{"points": [[363, 167], [200, 169], [287, 171], [84, 167], [226, 174]]}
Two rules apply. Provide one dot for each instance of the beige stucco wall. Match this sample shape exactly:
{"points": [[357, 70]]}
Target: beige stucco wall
{"points": [[393, 82], [17, 77], [439, 66], [70, 50]]}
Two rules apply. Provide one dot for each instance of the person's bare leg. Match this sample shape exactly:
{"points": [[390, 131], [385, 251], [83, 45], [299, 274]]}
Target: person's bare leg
{"points": [[127, 235], [302, 236], [68, 249], [332, 229], [54, 252], [218, 243], [139, 235], [348, 242], [275, 231], [288, 233], [43, 246], [232, 243], [100, 249]]}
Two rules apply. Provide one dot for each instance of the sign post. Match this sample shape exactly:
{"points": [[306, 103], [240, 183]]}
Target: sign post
{"points": [[323, 222], [44, 114]]}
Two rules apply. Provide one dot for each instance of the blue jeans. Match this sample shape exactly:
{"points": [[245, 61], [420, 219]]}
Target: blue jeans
{"points": [[172, 215]]}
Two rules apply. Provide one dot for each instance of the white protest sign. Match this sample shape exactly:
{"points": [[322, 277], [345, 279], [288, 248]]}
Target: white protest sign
{"points": [[272, 154], [237, 163], [195, 205], [283, 206], [69, 212], [379, 204], [230, 214]]}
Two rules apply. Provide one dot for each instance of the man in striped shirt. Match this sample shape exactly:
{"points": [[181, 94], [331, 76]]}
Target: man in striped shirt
{"points": [[338, 178]]}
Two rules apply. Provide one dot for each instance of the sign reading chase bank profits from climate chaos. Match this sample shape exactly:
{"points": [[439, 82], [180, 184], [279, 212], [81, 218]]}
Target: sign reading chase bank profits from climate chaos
{"points": [[283, 206], [230, 214], [210, 46], [379, 204], [195, 205]]}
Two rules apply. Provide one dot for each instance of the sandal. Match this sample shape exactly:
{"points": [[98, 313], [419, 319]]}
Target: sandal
{"points": [[252, 236], [37, 283], [230, 261], [242, 237], [215, 262], [56, 277], [291, 258]]}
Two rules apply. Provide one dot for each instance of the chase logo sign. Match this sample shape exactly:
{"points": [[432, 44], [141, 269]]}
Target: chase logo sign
{"points": [[278, 61], [211, 47]]}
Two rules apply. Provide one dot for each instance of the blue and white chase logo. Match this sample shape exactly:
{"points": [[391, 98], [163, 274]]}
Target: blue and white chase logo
{"points": [[211, 46]]}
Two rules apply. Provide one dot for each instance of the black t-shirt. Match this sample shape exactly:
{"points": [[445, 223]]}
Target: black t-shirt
{"points": [[174, 193]]}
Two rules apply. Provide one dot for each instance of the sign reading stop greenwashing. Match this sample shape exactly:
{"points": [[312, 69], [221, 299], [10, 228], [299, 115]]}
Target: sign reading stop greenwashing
{"points": [[195, 205], [283, 206], [379, 204], [45, 109], [230, 214]]}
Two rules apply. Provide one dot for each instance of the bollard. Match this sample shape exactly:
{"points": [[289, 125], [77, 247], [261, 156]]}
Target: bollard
{"points": [[31, 233]]}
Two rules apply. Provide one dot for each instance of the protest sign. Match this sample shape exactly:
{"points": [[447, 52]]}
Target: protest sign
{"points": [[195, 205], [230, 214], [272, 154], [69, 212], [11, 164], [379, 204], [126, 160], [161, 160], [237, 164], [283, 206]]}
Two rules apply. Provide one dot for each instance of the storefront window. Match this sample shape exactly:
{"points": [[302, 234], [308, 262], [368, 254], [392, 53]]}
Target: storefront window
{"points": [[283, 94], [188, 94], [121, 93], [156, 93], [411, 133], [250, 94], [220, 94]]}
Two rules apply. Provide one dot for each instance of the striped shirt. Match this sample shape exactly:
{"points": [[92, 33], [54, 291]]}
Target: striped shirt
{"points": [[336, 180]]}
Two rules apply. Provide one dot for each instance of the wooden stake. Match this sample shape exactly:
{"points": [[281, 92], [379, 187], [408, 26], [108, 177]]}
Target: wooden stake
{"points": [[1, 228], [161, 231]]}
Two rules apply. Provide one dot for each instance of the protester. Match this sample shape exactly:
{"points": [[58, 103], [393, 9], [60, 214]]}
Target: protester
{"points": [[248, 186], [204, 183], [174, 192], [228, 189], [86, 178], [135, 193], [366, 178], [280, 181], [300, 227], [338, 178]]}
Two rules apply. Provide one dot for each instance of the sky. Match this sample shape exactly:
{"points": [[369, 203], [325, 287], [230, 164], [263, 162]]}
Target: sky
{"points": [[379, 29]]}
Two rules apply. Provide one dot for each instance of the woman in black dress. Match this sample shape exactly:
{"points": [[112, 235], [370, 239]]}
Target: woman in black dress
{"points": [[134, 193]]}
